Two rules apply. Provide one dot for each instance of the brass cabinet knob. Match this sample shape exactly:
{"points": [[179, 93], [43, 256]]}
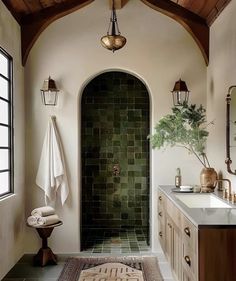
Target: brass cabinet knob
{"points": [[187, 259], [187, 231], [160, 234], [160, 214], [160, 198]]}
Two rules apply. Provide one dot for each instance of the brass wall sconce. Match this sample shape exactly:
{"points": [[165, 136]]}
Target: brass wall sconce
{"points": [[49, 92], [113, 40], [180, 93]]}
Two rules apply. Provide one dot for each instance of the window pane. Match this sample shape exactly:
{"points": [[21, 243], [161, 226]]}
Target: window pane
{"points": [[4, 88], [3, 65], [6, 148], [4, 182], [4, 136], [4, 112], [4, 159]]}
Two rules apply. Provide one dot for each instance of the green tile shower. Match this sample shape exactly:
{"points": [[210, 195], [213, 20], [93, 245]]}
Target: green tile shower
{"points": [[115, 159]]}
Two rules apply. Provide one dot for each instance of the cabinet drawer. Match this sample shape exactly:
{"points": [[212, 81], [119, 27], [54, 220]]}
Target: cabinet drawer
{"points": [[189, 260], [162, 235], [173, 212], [161, 200], [189, 233], [161, 214]]}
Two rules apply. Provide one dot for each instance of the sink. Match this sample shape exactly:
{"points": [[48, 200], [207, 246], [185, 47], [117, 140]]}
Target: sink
{"points": [[202, 201]]}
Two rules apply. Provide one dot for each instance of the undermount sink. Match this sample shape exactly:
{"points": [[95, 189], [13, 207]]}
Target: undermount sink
{"points": [[202, 201]]}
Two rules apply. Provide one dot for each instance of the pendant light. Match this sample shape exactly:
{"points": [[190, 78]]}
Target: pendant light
{"points": [[113, 40]]}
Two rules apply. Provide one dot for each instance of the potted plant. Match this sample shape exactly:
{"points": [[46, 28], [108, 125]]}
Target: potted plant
{"points": [[186, 127]]}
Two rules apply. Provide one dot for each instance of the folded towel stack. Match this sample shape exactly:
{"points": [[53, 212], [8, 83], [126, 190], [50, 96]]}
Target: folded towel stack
{"points": [[43, 216]]}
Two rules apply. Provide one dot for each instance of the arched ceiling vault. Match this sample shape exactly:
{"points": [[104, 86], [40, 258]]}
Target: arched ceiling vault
{"points": [[35, 15], [193, 23]]}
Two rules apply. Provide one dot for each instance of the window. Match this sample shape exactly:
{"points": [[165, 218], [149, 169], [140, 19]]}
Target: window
{"points": [[6, 124]]}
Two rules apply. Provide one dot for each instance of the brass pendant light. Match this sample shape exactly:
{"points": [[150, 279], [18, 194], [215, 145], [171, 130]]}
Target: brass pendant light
{"points": [[113, 40]]}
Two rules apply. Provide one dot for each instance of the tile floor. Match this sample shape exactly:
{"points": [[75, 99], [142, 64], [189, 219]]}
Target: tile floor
{"points": [[97, 243], [115, 241], [24, 270]]}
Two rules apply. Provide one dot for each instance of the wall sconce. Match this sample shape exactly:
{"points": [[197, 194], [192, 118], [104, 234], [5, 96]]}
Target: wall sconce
{"points": [[49, 92], [180, 93]]}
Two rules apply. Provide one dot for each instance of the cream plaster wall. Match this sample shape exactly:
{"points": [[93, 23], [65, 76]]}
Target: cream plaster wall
{"points": [[221, 75], [158, 50], [12, 221]]}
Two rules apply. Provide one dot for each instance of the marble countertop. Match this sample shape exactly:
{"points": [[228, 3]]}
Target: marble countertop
{"points": [[204, 217]]}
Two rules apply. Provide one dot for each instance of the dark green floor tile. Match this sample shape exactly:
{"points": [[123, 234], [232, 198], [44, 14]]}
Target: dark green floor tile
{"points": [[41, 279], [13, 279], [29, 271], [116, 241]]}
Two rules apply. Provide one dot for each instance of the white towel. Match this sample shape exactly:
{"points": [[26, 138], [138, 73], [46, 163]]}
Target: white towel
{"points": [[32, 220], [43, 211], [51, 176], [44, 221]]}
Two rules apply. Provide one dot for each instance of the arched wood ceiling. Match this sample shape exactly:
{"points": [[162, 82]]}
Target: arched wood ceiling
{"points": [[35, 15], [193, 23]]}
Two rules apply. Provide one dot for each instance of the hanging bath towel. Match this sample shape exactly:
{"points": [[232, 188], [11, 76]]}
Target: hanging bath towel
{"points": [[51, 176]]}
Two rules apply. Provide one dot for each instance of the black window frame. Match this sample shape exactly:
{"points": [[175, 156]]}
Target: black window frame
{"points": [[10, 127]]}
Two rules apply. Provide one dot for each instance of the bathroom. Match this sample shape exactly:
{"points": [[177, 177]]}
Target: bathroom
{"points": [[79, 72], [69, 50]]}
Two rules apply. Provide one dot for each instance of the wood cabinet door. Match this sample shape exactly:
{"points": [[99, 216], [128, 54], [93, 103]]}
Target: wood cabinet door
{"points": [[186, 276], [176, 252], [169, 240], [173, 247], [162, 235]]}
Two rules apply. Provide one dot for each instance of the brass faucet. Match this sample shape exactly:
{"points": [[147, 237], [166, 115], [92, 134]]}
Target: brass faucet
{"points": [[227, 194]]}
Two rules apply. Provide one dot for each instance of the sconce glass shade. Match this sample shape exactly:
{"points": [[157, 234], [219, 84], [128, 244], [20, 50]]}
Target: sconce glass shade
{"points": [[113, 40], [180, 93], [49, 92]]}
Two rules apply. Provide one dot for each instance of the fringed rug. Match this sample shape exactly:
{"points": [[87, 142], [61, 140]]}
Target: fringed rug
{"points": [[111, 269]]}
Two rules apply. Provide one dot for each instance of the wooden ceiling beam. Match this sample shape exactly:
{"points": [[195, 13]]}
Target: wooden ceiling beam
{"points": [[33, 24], [14, 13], [219, 7], [194, 24], [119, 4]]}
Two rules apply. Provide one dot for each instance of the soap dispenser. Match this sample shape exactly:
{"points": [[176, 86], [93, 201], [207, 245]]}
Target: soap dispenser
{"points": [[178, 178]]}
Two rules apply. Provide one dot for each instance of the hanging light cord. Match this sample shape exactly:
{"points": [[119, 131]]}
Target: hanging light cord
{"points": [[113, 22]]}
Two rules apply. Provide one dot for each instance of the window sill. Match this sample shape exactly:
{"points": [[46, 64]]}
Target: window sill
{"points": [[7, 196]]}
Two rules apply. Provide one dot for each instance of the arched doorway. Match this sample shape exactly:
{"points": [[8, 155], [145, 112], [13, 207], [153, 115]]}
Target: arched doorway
{"points": [[115, 111]]}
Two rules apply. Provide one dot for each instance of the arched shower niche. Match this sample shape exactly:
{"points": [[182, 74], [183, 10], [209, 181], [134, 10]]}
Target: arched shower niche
{"points": [[115, 122]]}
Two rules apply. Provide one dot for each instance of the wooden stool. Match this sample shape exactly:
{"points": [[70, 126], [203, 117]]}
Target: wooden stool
{"points": [[45, 255]]}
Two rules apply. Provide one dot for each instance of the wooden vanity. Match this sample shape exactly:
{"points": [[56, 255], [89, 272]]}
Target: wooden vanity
{"points": [[199, 244]]}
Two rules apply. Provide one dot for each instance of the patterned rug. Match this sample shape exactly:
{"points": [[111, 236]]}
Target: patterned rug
{"points": [[111, 269]]}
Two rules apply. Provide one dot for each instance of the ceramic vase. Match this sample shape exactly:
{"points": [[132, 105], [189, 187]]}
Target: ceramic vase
{"points": [[208, 177]]}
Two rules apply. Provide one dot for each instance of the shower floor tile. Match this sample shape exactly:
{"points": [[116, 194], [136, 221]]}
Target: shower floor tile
{"points": [[117, 241]]}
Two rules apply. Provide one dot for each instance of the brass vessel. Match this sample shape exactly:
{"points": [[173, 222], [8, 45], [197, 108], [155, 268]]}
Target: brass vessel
{"points": [[208, 177]]}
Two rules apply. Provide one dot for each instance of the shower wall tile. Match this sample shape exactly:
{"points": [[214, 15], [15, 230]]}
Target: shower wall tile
{"points": [[115, 125]]}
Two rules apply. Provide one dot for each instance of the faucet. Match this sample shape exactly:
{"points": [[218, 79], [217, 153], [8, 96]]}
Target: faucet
{"points": [[227, 194]]}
